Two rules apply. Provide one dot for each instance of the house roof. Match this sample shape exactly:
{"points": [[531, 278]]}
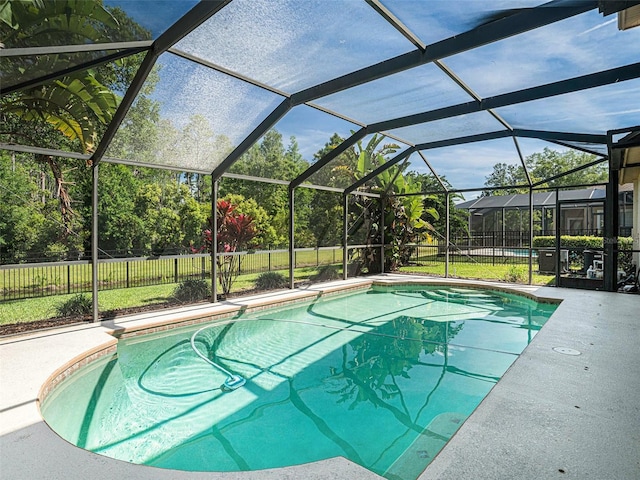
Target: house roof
{"points": [[546, 199]]}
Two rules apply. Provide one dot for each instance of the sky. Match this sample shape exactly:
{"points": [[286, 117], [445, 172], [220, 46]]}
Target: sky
{"points": [[292, 46]]}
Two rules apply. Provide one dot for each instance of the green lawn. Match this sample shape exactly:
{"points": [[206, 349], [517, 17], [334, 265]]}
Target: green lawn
{"points": [[32, 309], [472, 270], [120, 274]]}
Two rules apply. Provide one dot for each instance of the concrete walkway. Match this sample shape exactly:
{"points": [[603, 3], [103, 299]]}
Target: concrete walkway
{"points": [[552, 415]]}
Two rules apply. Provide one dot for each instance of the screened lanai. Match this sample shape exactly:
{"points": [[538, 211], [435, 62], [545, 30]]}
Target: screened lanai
{"points": [[455, 86]]}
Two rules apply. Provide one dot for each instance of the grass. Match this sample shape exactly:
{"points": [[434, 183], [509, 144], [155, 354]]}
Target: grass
{"points": [[118, 274], [32, 309], [42, 308], [473, 270]]}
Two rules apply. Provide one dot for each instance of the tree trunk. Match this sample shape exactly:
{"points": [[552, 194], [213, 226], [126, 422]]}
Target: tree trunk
{"points": [[61, 192]]}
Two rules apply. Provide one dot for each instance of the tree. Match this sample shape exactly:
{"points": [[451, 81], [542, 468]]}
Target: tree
{"points": [[20, 223], [70, 112], [505, 175], [119, 223], [458, 218], [549, 163], [75, 104], [542, 165], [265, 233], [403, 209], [235, 231], [325, 220], [269, 159]]}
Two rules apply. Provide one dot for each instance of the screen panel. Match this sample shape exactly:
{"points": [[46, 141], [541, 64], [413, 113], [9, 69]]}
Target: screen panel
{"points": [[454, 127], [200, 115], [25, 68], [594, 110], [472, 165], [46, 24], [70, 113], [576, 46], [444, 19], [165, 12], [294, 45], [417, 90]]}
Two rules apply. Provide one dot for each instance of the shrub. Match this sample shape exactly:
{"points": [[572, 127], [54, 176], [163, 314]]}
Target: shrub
{"points": [[577, 241], [77, 305], [326, 273], [515, 274], [191, 291], [583, 242], [271, 281]]}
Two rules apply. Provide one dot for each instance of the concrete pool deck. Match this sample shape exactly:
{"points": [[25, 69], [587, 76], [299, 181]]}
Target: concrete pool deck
{"points": [[552, 415]]}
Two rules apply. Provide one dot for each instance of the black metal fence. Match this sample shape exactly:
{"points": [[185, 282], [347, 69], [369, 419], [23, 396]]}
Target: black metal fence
{"points": [[489, 248], [500, 238], [28, 280]]}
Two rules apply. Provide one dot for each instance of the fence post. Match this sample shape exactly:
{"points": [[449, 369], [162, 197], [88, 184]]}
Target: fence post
{"points": [[127, 264], [203, 268], [317, 256], [493, 242], [175, 270], [68, 278], [269, 256]]}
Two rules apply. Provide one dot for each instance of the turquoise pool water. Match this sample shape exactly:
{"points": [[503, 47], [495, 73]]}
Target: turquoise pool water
{"points": [[521, 252], [383, 377]]}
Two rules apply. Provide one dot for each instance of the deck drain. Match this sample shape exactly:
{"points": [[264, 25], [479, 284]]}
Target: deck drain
{"points": [[566, 351]]}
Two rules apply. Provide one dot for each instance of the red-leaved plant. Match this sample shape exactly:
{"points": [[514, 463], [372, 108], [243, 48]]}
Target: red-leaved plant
{"points": [[235, 232]]}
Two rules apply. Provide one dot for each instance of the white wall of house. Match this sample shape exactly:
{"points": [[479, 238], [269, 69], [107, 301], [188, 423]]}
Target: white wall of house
{"points": [[635, 232]]}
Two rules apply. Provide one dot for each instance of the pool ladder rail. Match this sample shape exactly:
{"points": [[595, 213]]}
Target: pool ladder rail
{"points": [[233, 381]]}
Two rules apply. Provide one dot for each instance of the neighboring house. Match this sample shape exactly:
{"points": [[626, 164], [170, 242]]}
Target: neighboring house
{"points": [[582, 213]]}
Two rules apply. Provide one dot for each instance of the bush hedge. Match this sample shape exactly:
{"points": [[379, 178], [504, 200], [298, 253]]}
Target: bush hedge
{"points": [[585, 242], [577, 241]]}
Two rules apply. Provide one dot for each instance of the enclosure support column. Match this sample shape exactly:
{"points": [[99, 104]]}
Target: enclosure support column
{"points": [[611, 233], [94, 243], [214, 240], [447, 234], [382, 202], [530, 235], [503, 230], [345, 233], [292, 231], [557, 225]]}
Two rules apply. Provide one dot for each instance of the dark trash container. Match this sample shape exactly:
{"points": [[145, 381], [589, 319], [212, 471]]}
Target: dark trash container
{"points": [[547, 261]]}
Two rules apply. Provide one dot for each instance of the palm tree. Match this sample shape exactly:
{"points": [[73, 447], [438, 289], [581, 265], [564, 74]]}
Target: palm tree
{"points": [[403, 215]]}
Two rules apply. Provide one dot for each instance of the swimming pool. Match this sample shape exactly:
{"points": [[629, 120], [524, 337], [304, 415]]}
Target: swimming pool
{"points": [[383, 377]]}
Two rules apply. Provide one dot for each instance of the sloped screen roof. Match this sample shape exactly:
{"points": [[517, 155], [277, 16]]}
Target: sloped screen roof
{"points": [[455, 83], [547, 199]]}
